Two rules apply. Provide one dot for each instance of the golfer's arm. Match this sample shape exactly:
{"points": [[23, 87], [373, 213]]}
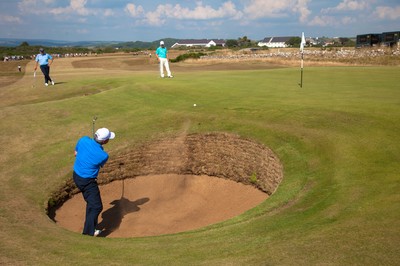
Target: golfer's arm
{"points": [[50, 62], [75, 153], [36, 64]]}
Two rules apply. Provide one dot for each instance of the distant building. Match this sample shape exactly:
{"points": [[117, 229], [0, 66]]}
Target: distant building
{"points": [[368, 40], [312, 41], [275, 42], [199, 43], [391, 38]]}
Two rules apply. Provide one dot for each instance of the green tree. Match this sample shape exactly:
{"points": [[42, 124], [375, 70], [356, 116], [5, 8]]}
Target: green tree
{"points": [[294, 42], [232, 43], [244, 42], [24, 44], [347, 42]]}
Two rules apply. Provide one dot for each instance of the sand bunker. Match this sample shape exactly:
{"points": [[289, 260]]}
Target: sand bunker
{"points": [[175, 185], [162, 204]]}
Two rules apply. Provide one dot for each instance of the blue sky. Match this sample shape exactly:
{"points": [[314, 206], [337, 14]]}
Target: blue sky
{"points": [[149, 20]]}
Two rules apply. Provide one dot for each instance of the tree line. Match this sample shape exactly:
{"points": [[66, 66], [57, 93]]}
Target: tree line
{"points": [[27, 51]]}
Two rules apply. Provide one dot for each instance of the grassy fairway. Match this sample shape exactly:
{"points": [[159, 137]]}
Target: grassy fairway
{"points": [[337, 137]]}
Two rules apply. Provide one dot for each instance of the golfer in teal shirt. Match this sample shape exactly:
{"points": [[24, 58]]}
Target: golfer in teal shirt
{"points": [[162, 56]]}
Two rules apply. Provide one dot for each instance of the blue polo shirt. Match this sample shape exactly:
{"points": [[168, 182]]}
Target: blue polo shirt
{"points": [[162, 52], [89, 158], [43, 59]]}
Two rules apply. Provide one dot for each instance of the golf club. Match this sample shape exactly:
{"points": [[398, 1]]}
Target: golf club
{"points": [[34, 79], [94, 122]]}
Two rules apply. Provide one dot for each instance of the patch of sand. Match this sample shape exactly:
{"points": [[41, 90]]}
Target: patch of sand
{"points": [[162, 204]]}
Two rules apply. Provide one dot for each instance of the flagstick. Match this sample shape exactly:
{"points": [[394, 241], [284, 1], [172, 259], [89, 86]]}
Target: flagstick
{"points": [[302, 43], [301, 80]]}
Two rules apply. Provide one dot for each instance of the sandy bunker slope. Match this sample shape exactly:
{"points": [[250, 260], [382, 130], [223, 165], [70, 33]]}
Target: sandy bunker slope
{"points": [[174, 185]]}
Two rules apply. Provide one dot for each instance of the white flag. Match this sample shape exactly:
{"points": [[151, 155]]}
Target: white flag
{"points": [[303, 42]]}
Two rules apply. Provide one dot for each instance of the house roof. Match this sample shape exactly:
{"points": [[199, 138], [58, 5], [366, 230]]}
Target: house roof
{"points": [[219, 41], [277, 39], [266, 39], [200, 41], [191, 41]]}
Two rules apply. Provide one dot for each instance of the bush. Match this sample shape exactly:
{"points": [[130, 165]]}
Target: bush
{"points": [[183, 57]]}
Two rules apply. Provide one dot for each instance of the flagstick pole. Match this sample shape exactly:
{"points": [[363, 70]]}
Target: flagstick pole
{"points": [[301, 80], [302, 43]]}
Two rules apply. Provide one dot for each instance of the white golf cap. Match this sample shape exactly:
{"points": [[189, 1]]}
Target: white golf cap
{"points": [[162, 43], [104, 134]]}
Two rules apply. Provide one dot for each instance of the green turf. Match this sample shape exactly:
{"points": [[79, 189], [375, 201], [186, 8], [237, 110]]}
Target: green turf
{"points": [[337, 137]]}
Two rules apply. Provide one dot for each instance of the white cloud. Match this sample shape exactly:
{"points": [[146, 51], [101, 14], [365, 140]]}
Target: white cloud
{"points": [[75, 7], [156, 17], [319, 21], [348, 5], [302, 8], [325, 21], [352, 5], [133, 10], [385, 12], [10, 19], [31, 6], [200, 12], [347, 20], [108, 12], [267, 8], [274, 9], [78, 6]]}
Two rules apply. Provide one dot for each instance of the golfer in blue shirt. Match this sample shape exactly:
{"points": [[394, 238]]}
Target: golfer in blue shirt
{"points": [[162, 56], [44, 60], [90, 156]]}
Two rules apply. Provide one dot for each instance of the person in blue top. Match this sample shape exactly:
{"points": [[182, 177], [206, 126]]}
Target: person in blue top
{"points": [[162, 56], [89, 158], [44, 60]]}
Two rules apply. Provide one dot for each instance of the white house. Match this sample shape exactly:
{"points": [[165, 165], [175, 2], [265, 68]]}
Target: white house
{"points": [[274, 42], [199, 43]]}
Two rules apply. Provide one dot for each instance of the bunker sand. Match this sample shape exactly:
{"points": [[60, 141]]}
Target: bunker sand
{"points": [[162, 204]]}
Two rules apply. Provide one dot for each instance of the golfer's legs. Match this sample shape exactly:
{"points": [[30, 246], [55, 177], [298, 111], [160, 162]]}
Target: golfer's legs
{"points": [[94, 207], [46, 72], [167, 68], [161, 67]]}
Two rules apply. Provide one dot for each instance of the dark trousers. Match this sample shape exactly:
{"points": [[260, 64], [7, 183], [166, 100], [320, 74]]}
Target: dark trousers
{"points": [[94, 206], [46, 72]]}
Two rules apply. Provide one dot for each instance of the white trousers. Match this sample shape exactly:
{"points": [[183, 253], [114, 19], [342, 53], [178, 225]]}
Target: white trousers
{"points": [[164, 62]]}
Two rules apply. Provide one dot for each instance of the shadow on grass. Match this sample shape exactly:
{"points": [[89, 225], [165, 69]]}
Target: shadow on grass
{"points": [[61, 82]]}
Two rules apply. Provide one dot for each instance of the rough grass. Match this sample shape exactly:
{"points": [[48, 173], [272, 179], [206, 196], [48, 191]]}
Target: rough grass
{"points": [[337, 138], [9, 72]]}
